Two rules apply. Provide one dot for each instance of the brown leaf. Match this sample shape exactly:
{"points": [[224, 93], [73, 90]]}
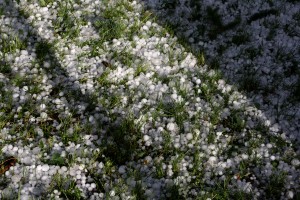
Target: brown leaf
{"points": [[7, 163]]}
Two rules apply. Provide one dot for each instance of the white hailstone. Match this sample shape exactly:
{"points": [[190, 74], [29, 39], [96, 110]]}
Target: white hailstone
{"points": [[16, 178], [197, 132], [148, 143], [156, 62], [148, 23], [198, 81], [269, 145], [42, 106], [174, 96], [148, 159], [236, 105], [15, 149], [46, 65], [16, 95], [91, 119], [177, 145], [112, 193], [63, 168], [72, 172], [273, 157], [101, 165], [245, 156], [36, 150], [219, 134], [290, 194], [44, 115], [39, 168], [295, 162], [39, 131], [45, 168], [26, 160], [171, 126], [212, 160], [145, 28], [144, 101], [122, 169], [44, 178], [170, 172], [78, 176], [152, 87], [93, 185], [146, 137], [20, 151], [267, 122], [25, 88], [191, 40], [189, 136]]}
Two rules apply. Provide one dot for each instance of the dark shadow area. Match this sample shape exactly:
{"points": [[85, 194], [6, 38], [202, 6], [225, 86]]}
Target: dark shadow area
{"points": [[196, 24]]}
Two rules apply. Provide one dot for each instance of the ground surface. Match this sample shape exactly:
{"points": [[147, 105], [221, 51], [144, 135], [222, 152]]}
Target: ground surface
{"points": [[147, 100]]}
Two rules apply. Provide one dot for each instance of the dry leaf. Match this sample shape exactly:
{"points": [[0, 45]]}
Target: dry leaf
{"points": [[7, 163]]}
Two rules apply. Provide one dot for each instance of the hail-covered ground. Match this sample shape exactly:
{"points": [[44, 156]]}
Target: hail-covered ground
{"points": [[98, 100]]}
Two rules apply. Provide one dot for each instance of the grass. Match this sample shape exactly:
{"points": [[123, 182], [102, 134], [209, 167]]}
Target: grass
{"points": [[118, 128]]}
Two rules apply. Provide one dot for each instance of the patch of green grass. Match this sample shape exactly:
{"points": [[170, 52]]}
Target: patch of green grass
{"points": [[275, 185], [218, 26], [176, 164], [159, 171], [109, 25], [245, 83], [249, 76], [240, 38], [139, 191], [214, 64], [67, 25], [103, 79], [56, 159], [44, 3], [235, 121], [176, 110], [214, 16], [120, 143], [21, 81], [66, 186], [11, 44], [126, 58], [167, 145], [296, 90], [140, 69], [252, 52], [170, 4], [43, 51], [174, 193], [5, 68], [73, 132]]}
